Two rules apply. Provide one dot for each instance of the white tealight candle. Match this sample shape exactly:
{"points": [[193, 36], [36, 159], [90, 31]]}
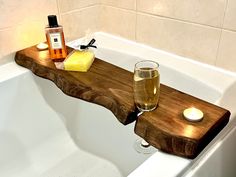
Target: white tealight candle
{"points": [[193, 114], [42, 46]]}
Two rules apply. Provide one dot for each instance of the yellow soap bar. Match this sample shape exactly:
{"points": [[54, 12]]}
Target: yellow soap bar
{"points": [[79, 61]]}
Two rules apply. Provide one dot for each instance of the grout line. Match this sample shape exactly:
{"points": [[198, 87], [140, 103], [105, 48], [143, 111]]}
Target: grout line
{"points": [[135, 28], [11, 27], [136, 19], [220, 39], [187, 22], [121, 8], [165, 17], [59, 11], [226, 5], [178, 20], [80, 9], [218, 47]]}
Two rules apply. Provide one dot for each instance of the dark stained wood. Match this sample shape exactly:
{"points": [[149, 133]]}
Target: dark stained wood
{"points": [[112, 87], [165, 128], [104, 83]]}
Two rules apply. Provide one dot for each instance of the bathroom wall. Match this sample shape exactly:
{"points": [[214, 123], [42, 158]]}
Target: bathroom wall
{"points": [[79, 17], [204, 30], [22, 22]]}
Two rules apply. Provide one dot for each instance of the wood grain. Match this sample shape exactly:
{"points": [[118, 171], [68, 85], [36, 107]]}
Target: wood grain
{"points": [[112, 87], [166, 129], [104, 83]]}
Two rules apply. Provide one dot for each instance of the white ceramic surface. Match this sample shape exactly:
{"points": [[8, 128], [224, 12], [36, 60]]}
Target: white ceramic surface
{"points": [[46, 133]]}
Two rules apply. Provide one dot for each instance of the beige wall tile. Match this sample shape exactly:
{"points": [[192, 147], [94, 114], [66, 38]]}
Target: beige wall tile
{"points": [[194, 41], [68, 5], [77, 23], [126, 4], [22, 36], [208, 12], [230, 15], [227, 51], [118, 21], [15, 12], [22, 24]]}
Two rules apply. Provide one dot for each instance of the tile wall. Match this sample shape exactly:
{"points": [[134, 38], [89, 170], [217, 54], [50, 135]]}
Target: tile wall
{"points": [[22, 23], [204, 30], [79, 17]]}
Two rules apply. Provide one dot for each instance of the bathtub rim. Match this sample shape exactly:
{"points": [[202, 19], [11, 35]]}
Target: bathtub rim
{"points": [[179, 164], [10, 70], [170, 60]]}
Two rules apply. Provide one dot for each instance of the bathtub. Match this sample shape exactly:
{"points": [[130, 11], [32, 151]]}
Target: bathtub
{"points": [[45, 133]]}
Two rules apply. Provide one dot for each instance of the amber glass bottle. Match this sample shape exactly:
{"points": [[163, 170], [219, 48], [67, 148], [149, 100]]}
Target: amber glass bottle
{"points": [[55, 39]]}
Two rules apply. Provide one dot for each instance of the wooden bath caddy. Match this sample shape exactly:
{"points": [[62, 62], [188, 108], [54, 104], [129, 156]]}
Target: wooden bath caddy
{"points": [[112, 87]]}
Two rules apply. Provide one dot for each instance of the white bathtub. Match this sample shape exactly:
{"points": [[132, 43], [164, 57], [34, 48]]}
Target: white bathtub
{"points": [[45, 133]]}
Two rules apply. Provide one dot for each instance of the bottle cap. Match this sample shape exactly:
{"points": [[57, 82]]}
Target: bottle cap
{"points": [[52, 21]]}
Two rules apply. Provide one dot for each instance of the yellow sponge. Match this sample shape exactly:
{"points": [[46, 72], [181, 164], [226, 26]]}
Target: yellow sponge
{"points": [[79, 61]]}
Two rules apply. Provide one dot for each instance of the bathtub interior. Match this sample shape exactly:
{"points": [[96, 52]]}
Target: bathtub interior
{"points": [[94, 128], [47, 133]]}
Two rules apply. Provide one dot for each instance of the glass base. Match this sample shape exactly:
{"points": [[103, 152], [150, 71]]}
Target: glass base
{"points": [[141, 146], [147, 109]]}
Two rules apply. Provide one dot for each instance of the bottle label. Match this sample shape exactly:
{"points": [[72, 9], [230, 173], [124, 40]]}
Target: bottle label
{"points": [[55, 39]]}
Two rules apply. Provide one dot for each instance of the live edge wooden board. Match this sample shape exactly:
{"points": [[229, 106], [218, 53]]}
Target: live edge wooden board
{"points": [[112, 87]]}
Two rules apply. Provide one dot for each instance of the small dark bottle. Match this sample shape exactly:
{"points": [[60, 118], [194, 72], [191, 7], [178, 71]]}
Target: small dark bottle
{"points": [[55, 39]]}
